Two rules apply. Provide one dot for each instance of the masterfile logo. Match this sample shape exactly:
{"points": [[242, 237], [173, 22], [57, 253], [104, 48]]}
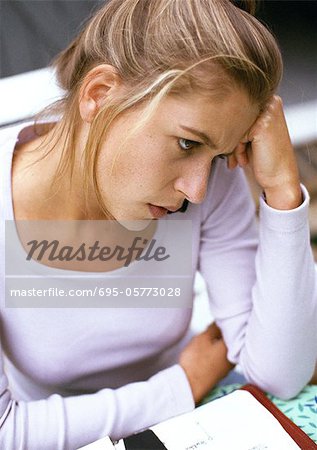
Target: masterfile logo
{"points": [[98, 264]]}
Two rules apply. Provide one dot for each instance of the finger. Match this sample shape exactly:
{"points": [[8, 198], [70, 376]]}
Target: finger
{"points": [[241, 155], [248, 150], [232, 162], [213, 331]]}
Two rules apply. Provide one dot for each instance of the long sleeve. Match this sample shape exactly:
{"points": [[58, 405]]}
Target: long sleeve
{"points": [[58, 423], [54, 350], [261, 284]]}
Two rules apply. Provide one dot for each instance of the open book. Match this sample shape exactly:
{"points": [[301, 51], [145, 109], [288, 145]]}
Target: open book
{"points": [[243, 420]]}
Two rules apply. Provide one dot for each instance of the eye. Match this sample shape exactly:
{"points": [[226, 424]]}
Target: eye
{"points": [[186, 144]]}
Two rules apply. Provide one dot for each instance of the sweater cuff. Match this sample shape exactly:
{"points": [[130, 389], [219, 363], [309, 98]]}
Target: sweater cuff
{"points": [[180, 393], [285, 220]]}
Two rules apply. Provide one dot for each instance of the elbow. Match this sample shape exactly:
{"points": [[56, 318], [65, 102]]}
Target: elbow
{"points": [[282, 384], [284, 392], [290, 387]]}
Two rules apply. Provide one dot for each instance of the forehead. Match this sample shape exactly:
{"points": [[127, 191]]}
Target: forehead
{"points": [[224, 116]]}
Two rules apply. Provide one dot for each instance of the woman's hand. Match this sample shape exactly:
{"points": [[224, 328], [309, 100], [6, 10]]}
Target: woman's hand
{"points": [[269, 151], [314, 378], [204, 361]]}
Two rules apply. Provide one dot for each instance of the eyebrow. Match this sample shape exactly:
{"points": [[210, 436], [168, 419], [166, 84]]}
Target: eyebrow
{"points": [[203, 136]]}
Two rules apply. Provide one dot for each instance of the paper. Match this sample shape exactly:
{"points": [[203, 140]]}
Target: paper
{"points": [[237, 421], [120, 445]]}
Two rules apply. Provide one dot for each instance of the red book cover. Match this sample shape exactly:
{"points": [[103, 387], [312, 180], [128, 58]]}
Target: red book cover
{"points": [[301, 439]]}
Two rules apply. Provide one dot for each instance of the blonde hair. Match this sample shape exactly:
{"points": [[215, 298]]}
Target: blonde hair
{"points": [[160, 47]]}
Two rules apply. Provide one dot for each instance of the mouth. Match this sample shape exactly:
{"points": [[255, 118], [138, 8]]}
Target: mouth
{"points": [[157, 211], [160, 211]]}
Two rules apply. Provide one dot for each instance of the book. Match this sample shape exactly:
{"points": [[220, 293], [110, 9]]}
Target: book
{"points": [[243, 420]]}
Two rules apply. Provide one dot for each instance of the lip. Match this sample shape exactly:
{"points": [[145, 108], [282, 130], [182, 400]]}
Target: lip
{"points": [[172, 208], [157, 211]]}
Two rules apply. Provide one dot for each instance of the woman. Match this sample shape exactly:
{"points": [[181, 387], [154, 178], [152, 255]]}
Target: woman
{"points": [[163, 101]]}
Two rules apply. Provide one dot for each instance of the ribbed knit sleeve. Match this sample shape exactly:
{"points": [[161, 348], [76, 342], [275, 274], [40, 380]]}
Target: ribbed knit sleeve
{"points": [[262, 284], [59, 423]]}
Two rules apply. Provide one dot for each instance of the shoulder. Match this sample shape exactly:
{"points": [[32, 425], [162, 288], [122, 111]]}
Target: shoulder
{"points": [[9, 135]]}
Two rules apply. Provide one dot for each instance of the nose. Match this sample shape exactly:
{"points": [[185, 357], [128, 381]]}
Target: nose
{"points": [[193, 181]]}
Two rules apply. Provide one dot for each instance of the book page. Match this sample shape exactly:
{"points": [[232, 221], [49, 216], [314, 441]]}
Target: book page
{"points": [[237, 421]]}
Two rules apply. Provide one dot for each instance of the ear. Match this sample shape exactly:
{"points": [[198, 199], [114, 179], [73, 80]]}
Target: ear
{"points": [[100, 83]]}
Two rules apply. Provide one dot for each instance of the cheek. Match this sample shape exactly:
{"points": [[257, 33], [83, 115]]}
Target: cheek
{"points": [[143, 160], [138, 172]]}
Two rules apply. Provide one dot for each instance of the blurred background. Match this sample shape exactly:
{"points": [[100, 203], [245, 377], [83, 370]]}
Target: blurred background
{"points": [[32, 32]]}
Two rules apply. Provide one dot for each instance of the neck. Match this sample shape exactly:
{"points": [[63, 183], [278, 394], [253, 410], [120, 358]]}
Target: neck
{"points": [[36, 196]]}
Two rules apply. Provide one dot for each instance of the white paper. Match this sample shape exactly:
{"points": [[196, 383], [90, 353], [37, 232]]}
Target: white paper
{"points": [[120, 445], [237, 421]]}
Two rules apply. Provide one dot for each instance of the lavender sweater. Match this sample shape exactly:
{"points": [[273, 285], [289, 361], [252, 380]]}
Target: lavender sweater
{"points": [[71, 376]]}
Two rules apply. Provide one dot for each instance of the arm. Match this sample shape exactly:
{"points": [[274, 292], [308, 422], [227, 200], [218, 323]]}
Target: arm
{"points": [[68, 423], [262, 295], [75, 421]]}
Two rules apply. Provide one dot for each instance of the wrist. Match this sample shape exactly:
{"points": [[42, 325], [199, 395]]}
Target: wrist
{"points": [[285, 197]]}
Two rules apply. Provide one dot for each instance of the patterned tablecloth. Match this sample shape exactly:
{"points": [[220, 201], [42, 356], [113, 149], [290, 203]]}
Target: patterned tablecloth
{"points": [[302, 409]]}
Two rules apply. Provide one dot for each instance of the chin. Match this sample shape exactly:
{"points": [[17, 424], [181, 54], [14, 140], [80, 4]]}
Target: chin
{"points": [[134, 224]]}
